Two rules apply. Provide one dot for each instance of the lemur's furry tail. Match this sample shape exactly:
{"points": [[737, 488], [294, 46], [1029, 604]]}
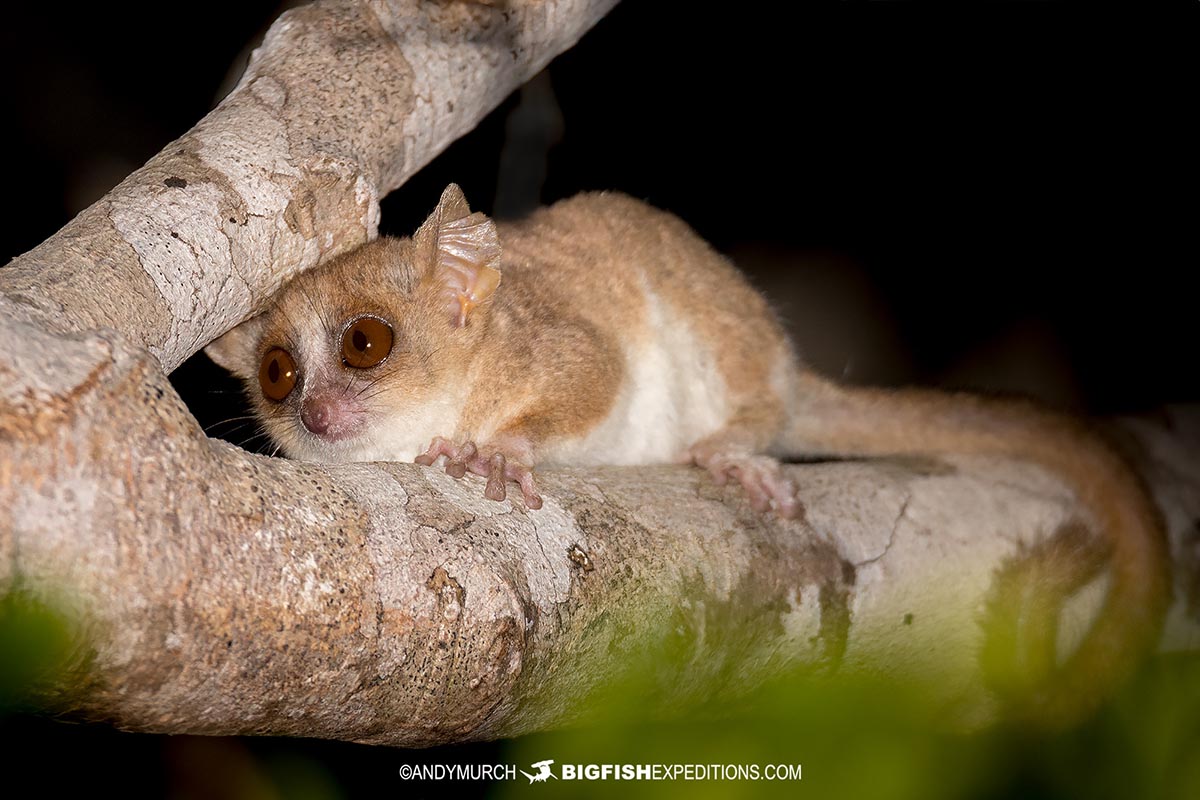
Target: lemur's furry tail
{"points": [[845, 421]]}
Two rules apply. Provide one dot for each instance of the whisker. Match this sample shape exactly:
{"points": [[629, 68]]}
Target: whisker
{"points": [[231, 419], [378, 378], [382, 390], [259, 432], [227, 434], [322, 313], [292, 326]]}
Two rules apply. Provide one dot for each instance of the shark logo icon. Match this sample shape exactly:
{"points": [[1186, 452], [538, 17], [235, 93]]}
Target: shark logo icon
{"points": [[543, 772]]}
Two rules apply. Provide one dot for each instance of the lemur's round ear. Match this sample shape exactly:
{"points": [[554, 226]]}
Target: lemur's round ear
{"points": [[460, 253], [237, 350]]}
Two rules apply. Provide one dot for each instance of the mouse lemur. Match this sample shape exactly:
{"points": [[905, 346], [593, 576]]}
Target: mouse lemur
{"points": [[603, 331]]}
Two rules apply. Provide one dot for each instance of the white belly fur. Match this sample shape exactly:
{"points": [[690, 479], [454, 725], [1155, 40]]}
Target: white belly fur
{"points": [[406, 436], [673, 395]]}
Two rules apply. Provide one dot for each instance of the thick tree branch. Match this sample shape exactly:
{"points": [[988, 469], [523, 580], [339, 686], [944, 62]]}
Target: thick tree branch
{"points": [[218, 591], [340, 105]]}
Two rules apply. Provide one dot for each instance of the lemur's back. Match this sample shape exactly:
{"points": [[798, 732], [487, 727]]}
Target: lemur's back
{"points": [[700, 345]]}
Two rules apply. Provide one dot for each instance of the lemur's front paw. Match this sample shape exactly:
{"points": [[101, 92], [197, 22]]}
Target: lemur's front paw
{"points": [[761, 476], [457, 456], [493, 463]]}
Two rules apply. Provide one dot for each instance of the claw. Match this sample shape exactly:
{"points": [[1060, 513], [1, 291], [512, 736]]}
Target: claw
{"points": [[493, 465], [437, 448], [495, 480], [767, 488], [457, 466], [524, 476]]}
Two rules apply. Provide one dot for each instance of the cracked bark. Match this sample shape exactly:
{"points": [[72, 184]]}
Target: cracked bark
{"points": [[215, 591]]}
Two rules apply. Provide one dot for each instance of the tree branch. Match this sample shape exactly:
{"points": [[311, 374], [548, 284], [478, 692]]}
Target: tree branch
{"points": [[341, 104]]}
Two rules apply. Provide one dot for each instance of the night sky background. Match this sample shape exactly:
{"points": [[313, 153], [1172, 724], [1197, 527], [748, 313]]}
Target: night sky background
{"points": [[990, 196]]}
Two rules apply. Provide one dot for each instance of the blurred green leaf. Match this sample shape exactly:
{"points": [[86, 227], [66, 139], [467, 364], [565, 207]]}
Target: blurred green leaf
{"points": [[299, 778], [35, 647], [869, 738]]}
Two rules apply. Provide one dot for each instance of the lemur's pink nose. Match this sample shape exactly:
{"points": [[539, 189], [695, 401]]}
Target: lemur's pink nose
{"points": [[315, 417], [331, 415]]}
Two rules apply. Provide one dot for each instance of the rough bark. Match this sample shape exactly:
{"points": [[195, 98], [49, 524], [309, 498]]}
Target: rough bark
{"points": [[339, 106], [221, 592]]}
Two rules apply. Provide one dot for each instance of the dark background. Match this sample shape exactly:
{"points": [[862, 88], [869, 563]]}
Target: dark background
{"points": [[992, 196], [995, 196]]}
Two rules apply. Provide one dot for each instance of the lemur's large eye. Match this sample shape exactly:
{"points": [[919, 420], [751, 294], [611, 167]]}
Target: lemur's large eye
{"points": [[277, 375], [366, 342]]}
